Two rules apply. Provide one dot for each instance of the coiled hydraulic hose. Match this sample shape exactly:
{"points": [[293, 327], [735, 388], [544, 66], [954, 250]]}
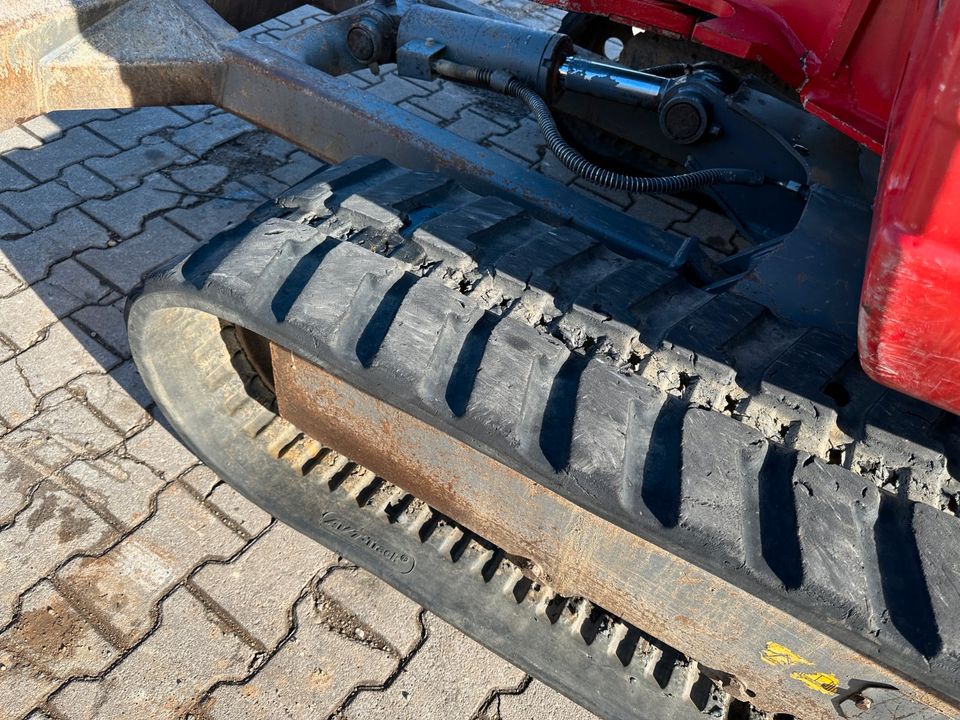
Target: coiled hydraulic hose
{"points": [[571, 158]]}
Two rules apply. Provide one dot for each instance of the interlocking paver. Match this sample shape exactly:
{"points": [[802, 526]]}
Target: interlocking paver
{"points": [[106, 325], [64, 354], [31, 257], [63, 431], [356, 603], [19, 403], [128, 130], [124, 265], [55, 526], [13, 179], [50, 643], [127, 169], [125, 213], [122, 587], [38, 206], [161, 450], [115, 486], [299, 166], [450, 676], [199, 177], [308, 678], [114, 398], [282, 561], [189, 651], [52, 125], [85, 183], [238, 512], [537, 701], [210, 217], [16, 138], [10, 227], [203, 136], [45, 162]]}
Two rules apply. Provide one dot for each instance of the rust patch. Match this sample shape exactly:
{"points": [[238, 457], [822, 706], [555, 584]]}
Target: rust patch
{"points": [[575, 551]]}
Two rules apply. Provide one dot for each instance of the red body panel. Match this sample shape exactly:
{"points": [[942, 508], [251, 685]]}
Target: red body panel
{"points": [[887, 73], [910, 306]]}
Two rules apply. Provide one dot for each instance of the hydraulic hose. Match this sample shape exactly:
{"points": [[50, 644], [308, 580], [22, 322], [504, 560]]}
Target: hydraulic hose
{"points": [[571, 158]]}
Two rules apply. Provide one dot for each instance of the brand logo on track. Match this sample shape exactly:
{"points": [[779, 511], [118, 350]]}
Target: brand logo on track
{"points": [[359, 536]]}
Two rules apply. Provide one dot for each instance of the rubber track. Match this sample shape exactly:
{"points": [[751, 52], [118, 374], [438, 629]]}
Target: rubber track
{"points": [[699, 421], [575, 646]]}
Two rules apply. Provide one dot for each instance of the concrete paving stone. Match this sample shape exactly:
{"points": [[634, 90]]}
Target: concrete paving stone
{"points": [[525, 142], [114, 399], [246, 517], [127, 169], [308, 678], [16, 138], [358, 79], [395, 89], [55, 526], [38, 206], [194, 113], [358, 604], [69, 286], [273, 146], [474, 127], [217, 129], [52, 125], [85, 183], [199, 177], [656, 212], [128, 130], [114, 485], [161, 450], [259, 589], [10, 282], [106, 325], [189, 652], [536, 702], [125, 213], [45, 162], [63, 431], [10, 227], [208, 218], [450, 676], [299, 166], [13, 179], [125, 264], [49, 644], [64, 354], [18, 476], [121, 588], [420, 112], [614, 198], [31, 257], [26, 315], [19, 404], [201, 479], [264, 184], [448, 102]]}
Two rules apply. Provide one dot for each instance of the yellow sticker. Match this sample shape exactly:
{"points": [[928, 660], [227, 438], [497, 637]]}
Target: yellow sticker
{"points": [[777, 654], [821, 682]]}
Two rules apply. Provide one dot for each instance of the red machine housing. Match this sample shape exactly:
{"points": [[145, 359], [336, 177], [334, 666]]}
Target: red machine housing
{"points": [[886, 73]]}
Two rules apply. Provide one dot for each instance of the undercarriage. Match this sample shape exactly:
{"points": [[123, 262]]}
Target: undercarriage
{"points": [[648, 470]]}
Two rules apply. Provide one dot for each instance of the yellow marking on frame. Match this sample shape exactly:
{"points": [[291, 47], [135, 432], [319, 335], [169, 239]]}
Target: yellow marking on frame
{"points": [[821, 682], [777, 654]]}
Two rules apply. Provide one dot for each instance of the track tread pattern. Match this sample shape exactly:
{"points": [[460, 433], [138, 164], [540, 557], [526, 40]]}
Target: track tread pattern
{"points": [[667, 410]]}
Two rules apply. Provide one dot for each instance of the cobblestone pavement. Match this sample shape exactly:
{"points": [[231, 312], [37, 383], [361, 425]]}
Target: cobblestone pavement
{"points": [[133, 582]]}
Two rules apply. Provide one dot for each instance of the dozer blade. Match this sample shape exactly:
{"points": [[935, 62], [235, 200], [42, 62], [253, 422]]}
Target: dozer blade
{"points": [[556, 448]]}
